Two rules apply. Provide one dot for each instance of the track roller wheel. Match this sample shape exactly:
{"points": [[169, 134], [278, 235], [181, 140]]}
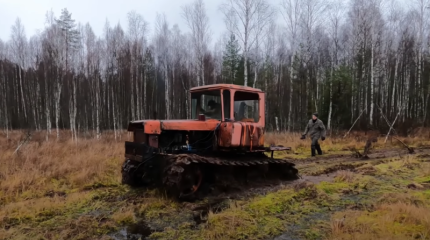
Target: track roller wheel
{"points": [[128, 173], [190, 181]]}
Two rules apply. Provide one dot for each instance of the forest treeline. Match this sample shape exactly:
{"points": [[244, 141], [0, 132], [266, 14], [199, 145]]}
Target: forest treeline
{"points": [[365, 58]]}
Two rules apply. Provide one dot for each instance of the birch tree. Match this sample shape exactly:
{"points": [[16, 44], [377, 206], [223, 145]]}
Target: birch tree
{"points": [[35, 58], [68, 38], [198, 22], [18, 45], [335, 19], [311, 19], [137, 28], [357, 56], [422, 20], [246, 19], [291, 13], [162, 39]]}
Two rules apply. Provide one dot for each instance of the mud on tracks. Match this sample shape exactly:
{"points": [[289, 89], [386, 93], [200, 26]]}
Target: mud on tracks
{"points": [[315, 170]]}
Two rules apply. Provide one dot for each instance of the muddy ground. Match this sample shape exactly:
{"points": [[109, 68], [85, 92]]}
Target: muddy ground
{"points": [[339, 196], [189, 219]]}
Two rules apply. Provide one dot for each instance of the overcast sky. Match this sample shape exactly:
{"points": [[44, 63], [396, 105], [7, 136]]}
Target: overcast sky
{"points": [[32, 13]]}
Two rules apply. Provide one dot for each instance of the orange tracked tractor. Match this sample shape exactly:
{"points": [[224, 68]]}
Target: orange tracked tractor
{"points": [[220, 147]]}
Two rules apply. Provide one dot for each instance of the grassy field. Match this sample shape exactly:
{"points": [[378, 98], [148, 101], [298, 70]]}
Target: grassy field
{"points": [[71, 190]]}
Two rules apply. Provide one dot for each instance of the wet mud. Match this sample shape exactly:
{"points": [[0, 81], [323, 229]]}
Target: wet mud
{"points": [[136, 231], [313, 171]]}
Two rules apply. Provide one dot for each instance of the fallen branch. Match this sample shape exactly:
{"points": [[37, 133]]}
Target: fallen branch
{"points": [[391, 127], [354, 123], [385, 118], [366, 151], [356, 153], [410, 149], [28, 137], [368, 146]]}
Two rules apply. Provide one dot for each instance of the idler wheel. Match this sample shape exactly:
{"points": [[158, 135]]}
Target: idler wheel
{"points": [[190, 181]]}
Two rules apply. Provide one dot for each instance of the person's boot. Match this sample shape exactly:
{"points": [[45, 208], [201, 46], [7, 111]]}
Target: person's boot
{"points": [[318, 147], [313, 151]]}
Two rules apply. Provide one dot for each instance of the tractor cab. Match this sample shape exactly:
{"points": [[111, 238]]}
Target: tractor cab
{"points": [[228, 103]]}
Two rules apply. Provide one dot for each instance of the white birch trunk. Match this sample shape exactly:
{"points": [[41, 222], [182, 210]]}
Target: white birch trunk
{"points": [[166, 91], [371, 84], [393, 93], [47, 108], [22, 92], [202, 69], [138, 94], [245, 57], [57, 105], [133, 108], [330, 109], [145, 79], [290, 108], [114, 115], [420, 88], [38, 105], [98, 108], [4, 92]]}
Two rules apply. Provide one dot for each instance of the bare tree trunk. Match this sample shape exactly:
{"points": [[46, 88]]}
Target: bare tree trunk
{"points": [[290, 108], [5, 97], [22, 93], [47, 106], [330, 109], [144, 105], [138, 94], [133, 108], [371, 84], [393, 93], [98, 107], [245, 62], [57, 103], [167, 91]]}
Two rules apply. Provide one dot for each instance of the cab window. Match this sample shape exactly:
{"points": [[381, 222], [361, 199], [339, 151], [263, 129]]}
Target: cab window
{"points": [[208, 103], [246, 107]]}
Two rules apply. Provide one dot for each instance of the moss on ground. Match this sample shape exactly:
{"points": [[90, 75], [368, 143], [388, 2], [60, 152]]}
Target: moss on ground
{"points": [[47, 199]]}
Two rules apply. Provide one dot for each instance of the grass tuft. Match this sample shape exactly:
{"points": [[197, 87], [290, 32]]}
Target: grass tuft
{"points": [[72, 190]]}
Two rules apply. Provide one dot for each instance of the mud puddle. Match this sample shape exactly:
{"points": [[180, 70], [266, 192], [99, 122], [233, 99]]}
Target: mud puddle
{"points": [[317, 179], [137, 231], [296, 231]]}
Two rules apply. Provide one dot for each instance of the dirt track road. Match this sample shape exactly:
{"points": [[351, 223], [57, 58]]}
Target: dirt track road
{"points": [[320, 168]]}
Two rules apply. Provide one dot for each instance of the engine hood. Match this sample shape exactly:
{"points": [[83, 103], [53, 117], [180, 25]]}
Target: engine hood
{"points": [[157, 126]]}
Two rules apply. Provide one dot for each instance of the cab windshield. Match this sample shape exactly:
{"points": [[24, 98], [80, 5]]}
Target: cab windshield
{"points": [[207, 103]]}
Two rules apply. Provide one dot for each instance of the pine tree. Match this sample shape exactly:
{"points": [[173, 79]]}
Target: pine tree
{"points": [[69, 33], [231, 61]]}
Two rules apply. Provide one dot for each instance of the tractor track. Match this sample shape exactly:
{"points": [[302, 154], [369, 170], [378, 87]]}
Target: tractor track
{"points": [[313, 169], [318, 169], [229, 174]]}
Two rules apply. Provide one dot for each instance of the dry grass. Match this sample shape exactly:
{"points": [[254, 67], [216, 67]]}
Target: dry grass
{"points": [[397, 211], [124, 216], [425, 169], [345, 176], [338, 144], [400, 219], [53, 180], [41, 167], [47, 189]]}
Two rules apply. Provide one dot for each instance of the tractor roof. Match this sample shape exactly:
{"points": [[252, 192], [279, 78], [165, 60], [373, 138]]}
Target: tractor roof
{"points": [[225, 86]]}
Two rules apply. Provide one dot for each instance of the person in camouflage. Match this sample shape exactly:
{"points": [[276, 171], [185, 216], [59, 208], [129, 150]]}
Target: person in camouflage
{"points": [[316, 130]]}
